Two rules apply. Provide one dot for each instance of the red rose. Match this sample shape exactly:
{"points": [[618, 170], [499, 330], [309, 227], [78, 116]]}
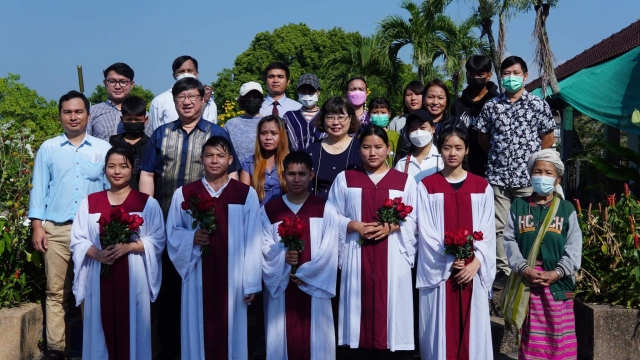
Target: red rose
{"points": [[466, 232], [400, 207], [460, 240], [388, 203], [281, 230], [408, 209], [191, 195], [397, 200], [185, 205], [449, 238], [286, 221], [102, 222], [133, 227], [478, 235]]}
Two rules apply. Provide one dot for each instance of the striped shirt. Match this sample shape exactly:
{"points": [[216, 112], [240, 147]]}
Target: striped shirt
{"points": [[301, 129], [105, 121], [173, 155]]}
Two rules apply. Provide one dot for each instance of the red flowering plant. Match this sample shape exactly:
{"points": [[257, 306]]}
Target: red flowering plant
{"points": [[202, 210], [460, 243], [393, 211], [291, 233], [119, 229]]}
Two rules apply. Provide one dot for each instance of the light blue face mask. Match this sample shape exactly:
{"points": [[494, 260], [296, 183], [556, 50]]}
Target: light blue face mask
{"points": [[543, 185], [381, 120], [512, 83]]}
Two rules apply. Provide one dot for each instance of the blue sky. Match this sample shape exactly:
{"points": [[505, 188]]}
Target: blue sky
{"points": [[44, 41]]}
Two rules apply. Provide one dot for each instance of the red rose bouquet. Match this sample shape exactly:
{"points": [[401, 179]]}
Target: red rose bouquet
{"points": [[393, 212], [291, 233], [119, 229], [203, 213], [460, 243]]}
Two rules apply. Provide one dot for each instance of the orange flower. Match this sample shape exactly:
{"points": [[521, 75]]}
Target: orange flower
{"points": [[612, 200], [626, 190], [17, 274], [579, 208]]}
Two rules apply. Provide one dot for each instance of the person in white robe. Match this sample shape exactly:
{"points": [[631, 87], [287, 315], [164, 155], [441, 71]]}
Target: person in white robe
{"points": [[216, 330], [143, 256]]}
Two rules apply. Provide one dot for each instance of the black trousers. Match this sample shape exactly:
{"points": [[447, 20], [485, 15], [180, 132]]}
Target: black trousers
{"points": [[168, 305]]}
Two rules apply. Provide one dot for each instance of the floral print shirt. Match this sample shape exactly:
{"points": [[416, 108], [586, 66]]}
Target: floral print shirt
{"points": [[515, 130]]}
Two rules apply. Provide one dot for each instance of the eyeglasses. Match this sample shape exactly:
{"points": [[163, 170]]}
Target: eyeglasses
{"points": [[339, 118], [182, 98], [123, 83]]}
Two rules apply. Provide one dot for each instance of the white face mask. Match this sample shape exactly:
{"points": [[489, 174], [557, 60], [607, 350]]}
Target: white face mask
{"points": [[421, 138], [185, 75], [308, 101]]}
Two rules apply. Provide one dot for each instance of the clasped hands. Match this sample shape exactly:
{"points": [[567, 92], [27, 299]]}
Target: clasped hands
{"points": [[373, 230], [291, 258], [112, 253], [466, 271], [540, 278]]}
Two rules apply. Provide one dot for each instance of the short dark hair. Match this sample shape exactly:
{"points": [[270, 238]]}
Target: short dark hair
{"points": [[181, 60], [185, 84], [513, 60], [416, 87], [125, 151], [478, 64], [353, 79], [277, 66], [133, 105], [374, 130], [337, 105], [379, 102], [216, 141], [297, 157], [120, 69], [73, 95], [439, 83]]}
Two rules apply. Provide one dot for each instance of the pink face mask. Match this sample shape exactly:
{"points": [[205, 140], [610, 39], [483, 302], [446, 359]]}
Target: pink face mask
{"points": [[357, 98]]}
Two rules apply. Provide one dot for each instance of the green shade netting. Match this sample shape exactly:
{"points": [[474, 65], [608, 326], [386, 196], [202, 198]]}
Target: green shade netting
{"points": [[608, 92]]}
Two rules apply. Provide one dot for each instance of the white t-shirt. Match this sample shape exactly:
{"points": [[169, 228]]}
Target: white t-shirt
{"points": [[377, 177], [431, 164], [163, 110], [294, 207]]}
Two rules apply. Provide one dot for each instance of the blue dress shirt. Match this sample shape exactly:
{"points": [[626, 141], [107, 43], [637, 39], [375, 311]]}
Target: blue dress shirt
{"points": [[284, 105], [272, 188], [63, 175]]}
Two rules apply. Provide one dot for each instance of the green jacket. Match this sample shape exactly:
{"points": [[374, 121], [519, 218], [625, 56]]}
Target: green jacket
{"points": [[561, 246]]}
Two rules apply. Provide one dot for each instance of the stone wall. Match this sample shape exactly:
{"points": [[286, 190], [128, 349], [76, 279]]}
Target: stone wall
{"points": [[21, 328]]}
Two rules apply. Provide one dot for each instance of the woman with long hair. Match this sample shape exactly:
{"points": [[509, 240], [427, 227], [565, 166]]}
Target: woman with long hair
{"points": [[436, 101], [263, 169], [412, 96]]}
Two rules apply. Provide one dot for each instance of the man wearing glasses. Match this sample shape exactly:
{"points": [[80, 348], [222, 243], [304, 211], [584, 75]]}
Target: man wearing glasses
{"points": [[171, 160], [105, 117]]}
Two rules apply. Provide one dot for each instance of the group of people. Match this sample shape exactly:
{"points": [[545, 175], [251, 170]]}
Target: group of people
{"points": [[481, 167]]}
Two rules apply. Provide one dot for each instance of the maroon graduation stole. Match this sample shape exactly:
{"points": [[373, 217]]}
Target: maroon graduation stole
{"points": [[374, 288], [114, 289], [215, 269], [297, 302], [457, 215]]}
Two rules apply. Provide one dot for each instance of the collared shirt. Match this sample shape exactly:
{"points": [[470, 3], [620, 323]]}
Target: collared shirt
{"points": [[431, 164], [163, 110], [63, 175], [211, 191], [272, 188], [173, 155], [284, 104], [515, 130], [242, 130], [105, 121]]}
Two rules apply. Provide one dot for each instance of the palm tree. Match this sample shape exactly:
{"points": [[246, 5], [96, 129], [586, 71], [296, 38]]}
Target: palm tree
{"points": [[421, 31], [366, 58]]}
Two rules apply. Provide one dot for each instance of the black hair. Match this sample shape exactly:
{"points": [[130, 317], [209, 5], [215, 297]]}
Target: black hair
{"points": [[379, 102], [416, 87], [513, 60], [356, 78], [217, 141], [73, 95], [449, 131], [125, 151], [134, 105], [478, 64], [181, 60], [374, 130], [439, 83], [297, 157], [185, 84], [337, 105], [120, 69], [277, 66]]}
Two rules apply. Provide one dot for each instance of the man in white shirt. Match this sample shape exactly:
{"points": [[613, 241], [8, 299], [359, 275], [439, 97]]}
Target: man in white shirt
{"points": [[163, 108], [276, 76]]}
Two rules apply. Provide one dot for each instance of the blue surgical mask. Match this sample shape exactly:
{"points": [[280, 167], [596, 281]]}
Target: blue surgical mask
{"points": [[512, 83], [543, 185], [381, 120]]}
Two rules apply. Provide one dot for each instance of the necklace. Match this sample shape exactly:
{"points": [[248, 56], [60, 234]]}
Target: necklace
{"points": [[315, 188]]}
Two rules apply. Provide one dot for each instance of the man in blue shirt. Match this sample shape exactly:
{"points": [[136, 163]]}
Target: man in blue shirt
{"points": [[171, 160], [68, 167], [277, 78]]}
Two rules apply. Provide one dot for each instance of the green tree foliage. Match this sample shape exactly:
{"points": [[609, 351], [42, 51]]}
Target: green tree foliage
{"points": [[100, 94], [24, 108]]}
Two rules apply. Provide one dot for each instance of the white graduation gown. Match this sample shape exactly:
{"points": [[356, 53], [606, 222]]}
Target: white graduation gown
{"points": [[145, 276], [245, 272], [319, 277], [434, 268], [401, 256]]}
